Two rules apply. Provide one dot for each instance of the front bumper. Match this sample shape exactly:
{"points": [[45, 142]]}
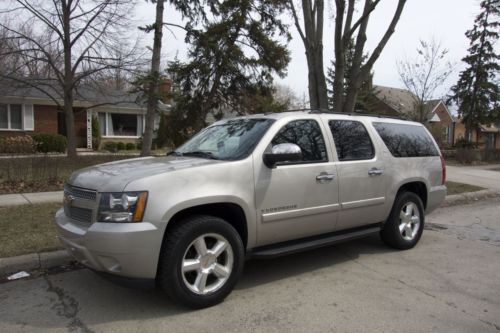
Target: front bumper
{"points": [[124, 249]]}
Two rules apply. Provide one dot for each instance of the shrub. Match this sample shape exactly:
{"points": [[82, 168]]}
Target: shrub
{"points": [[17, 145], [130, 146], [465, 144], [120, 146], [111, 146], [139, 143], [50, 143]]}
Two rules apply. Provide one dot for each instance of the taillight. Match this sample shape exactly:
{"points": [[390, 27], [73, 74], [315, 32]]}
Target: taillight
{"points": [[443, 170]]}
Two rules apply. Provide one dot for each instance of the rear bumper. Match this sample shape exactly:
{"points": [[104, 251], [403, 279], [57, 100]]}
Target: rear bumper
{"points": [[123, 249], [435, 198]]}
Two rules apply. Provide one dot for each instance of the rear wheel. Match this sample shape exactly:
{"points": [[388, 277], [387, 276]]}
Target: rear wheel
{"points": [[405, 224], [201, 261]]}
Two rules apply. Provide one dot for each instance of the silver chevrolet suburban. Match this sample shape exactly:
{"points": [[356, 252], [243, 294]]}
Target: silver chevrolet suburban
{"points": [[251, 187]]}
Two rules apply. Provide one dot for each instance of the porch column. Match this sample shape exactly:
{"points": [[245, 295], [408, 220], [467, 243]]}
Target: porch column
{"points": [[89, 129]]}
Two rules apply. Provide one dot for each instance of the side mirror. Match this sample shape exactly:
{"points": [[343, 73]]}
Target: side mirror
{"points": [[283, 152]]}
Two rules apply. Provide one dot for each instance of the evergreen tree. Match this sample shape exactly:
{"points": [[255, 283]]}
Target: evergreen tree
{"points": [[476, 92], [233, 54]]}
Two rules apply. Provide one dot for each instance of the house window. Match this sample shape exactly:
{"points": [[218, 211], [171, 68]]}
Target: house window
{"points": [[121, 124], [16, 117]]}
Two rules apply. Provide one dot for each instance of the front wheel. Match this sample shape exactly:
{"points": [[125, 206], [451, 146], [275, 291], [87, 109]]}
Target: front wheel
{"points": [[405, 224], [201, 261]]}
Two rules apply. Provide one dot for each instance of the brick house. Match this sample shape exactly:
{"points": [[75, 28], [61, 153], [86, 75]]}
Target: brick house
{"points": [[25, 111], [398, 102], [486, 136]]}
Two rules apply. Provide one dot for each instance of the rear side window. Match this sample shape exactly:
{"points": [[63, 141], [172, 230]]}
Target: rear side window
{"points": [[406, 140], [351, 140], [307, 135]]}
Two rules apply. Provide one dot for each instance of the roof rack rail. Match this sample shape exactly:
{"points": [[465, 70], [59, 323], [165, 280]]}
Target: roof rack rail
{"points": [[330, 111]]}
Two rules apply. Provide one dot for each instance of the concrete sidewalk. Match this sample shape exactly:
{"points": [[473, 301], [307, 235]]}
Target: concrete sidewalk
{"points": [[30, 198], [475, 175]]}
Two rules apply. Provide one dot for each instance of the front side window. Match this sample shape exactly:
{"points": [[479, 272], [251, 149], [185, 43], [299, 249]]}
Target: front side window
{"points": [[404, 140], [307, 135], [229, 140], [352, 141]]}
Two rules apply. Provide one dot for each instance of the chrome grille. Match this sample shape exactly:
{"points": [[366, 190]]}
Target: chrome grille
{"points": [[79, 214], [80, 193]]}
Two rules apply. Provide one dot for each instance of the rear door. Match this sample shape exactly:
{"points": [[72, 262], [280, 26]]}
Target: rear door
{"points": [[361, 174]]}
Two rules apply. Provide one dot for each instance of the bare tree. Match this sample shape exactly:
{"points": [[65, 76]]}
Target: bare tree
{"points": [[312, 37], [153, 79], [347, 25], [424, 74], [73, 38]]}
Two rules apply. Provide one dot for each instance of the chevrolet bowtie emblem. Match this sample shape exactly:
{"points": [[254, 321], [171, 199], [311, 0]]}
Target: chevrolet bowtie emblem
{"points": [[68, 199]]}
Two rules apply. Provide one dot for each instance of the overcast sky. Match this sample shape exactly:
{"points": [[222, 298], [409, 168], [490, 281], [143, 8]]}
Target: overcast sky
{"points": [[446, 20]]}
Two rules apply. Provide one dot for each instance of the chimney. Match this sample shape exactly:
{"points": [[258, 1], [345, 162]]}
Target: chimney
{"points": [[165, 88]]}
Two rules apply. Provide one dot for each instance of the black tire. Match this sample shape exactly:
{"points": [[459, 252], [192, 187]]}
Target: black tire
{"points": [[391, 234], [179, 242]]}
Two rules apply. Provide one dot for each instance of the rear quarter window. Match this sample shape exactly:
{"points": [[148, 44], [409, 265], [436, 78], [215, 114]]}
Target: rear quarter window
{"points": [[406, 140]]}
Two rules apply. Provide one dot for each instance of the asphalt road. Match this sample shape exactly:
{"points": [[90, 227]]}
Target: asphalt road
{"points": [[449, 282]]}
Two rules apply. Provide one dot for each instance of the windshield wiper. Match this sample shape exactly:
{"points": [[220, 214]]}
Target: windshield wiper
{"points": [[197, 153], [174, 152]]}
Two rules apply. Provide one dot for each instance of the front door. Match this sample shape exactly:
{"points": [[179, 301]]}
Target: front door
{"points": [[300, 199]]}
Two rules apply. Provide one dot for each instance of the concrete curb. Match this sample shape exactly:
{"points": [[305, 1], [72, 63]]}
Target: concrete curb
{"points": [[34, 261], [468, 197], [47, 260]]}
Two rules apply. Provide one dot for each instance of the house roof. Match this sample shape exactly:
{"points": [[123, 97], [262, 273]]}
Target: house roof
{"points": [[403, 101], [400, 100], [85, 96]]}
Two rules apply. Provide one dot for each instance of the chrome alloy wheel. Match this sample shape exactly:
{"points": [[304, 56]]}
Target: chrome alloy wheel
{"points": [[207, 264], [409, 221]]}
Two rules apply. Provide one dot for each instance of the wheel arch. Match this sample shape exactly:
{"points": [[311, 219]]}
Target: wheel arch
{"points": [[418, 187]]}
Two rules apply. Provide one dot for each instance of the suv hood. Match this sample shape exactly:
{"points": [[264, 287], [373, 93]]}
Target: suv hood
{"points": [[114, 176]]}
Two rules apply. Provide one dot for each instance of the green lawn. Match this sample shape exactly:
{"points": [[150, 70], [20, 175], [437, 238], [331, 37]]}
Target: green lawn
{"points": [[28, 229], [457, 188]]}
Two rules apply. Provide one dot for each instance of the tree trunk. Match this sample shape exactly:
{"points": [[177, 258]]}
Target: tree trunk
{"points": [[313, 43], [359, 74], [153, 84], [68, 83]]}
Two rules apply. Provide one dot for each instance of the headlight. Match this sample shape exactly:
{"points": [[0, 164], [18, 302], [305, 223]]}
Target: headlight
{"points": [[122, 207]]}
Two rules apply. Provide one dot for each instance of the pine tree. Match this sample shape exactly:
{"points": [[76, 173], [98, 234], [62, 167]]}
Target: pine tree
{"points": [[234, 54], [476, 92]]}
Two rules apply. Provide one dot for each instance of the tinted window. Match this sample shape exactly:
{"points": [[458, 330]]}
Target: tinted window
{"points": [[307, 135], [406, 140], [351, 140]]}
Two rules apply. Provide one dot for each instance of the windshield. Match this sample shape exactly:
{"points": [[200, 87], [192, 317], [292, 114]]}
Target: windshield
{"points": [[231, 140]]}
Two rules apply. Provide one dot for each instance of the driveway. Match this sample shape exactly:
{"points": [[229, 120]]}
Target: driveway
{"points": [[449, 282], [475, 175]]}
